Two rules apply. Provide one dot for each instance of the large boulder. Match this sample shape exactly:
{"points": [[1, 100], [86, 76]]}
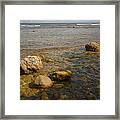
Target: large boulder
{"points": [[30, 64], [43, 81], [61, 75], [92, 46]]}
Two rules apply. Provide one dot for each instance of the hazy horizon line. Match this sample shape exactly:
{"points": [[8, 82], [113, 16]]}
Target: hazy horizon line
{"points": [[59, 21]]}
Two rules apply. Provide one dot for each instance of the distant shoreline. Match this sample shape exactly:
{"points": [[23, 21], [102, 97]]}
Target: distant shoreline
{"points": [[82, 26], [58, 25]]}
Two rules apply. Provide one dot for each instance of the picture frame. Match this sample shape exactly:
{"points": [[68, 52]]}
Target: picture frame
{"points": [[2, 95]]}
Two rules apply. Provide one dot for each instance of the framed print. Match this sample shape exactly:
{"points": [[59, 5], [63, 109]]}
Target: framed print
{"points": [[60, 60]]}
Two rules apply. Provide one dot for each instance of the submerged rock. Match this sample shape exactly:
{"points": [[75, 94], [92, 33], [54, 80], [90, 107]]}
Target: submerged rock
{"points": [[92, 46], [56, 96], [30, 64], [44, 96], [63, 97], [61, 75], [58, 85], [43, 81]]}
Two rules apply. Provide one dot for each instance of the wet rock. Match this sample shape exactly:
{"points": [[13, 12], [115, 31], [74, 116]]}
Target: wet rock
{"points": [[61, 75], [56, 96], [92, 46], [49, 60], [63, 97], [33, 85], [58, 85], [30, 64], [44, 96], [91, 97], [43, 81]]}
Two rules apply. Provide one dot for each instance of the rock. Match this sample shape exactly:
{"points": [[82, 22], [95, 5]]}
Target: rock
{"points": [[63, 97], [49, 60], [44, 96], [61, 75], [92, 46], [30, 64], [58, 86], [43, 81], [56, 96], [91, 96]]}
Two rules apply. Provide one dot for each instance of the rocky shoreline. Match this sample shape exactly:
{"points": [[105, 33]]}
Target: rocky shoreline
{"points": [[61, 74]]}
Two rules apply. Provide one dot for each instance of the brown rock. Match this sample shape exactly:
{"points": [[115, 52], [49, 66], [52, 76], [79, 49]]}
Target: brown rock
{"points": [[58, 85], [44, 96], [30, 64], [92, 46], [61, 75], [43, 81]]}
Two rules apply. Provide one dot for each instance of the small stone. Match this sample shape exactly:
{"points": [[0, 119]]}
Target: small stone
{"points": [[50, 60], [63, 97], [56, 96]]}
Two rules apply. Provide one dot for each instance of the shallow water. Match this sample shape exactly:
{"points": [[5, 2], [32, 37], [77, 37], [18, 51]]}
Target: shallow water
{"points": [[57, 37], [63, 49]]}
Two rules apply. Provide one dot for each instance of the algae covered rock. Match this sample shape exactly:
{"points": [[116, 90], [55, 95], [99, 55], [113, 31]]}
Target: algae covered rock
{"points": [[30, 64], [61, 75], [92, 46]]}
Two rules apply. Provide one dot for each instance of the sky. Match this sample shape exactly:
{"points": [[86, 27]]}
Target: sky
{"points": [[60, 21]]}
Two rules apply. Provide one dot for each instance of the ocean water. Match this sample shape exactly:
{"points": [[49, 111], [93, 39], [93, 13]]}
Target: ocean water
{"points": [[49, 36], [64, 45]]}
